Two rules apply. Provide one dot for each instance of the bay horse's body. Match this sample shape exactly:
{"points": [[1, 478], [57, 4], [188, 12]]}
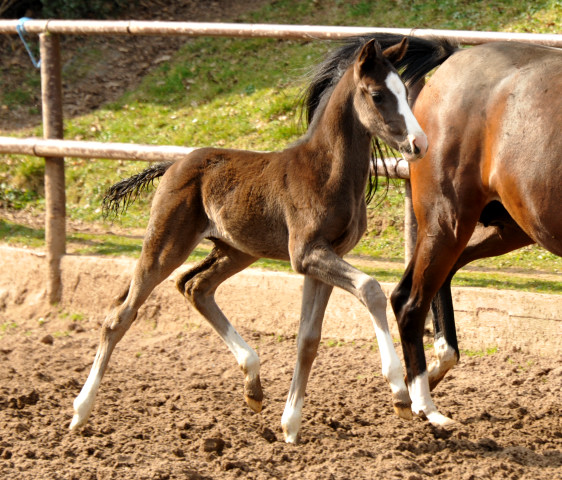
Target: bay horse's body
{"points": [[490, 182], [305, 204]]}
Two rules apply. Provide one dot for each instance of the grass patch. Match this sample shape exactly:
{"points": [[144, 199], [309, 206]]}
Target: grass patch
{"points": [[332, 342], [464, 278], [503, 281], [21, 235], [73, 317], [120, 245], [8, 326], [480, 353], [61, 334]]}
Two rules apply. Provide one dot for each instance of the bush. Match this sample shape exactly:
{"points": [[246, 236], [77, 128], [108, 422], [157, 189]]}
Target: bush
{"points": [[73, 9], [15, 198]]}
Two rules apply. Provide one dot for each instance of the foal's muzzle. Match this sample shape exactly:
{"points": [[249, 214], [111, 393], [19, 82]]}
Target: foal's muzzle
{"points": [[414, 147]]}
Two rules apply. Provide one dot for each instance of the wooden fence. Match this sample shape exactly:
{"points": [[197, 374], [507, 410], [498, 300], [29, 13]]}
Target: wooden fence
{"points": [[54, 149]]}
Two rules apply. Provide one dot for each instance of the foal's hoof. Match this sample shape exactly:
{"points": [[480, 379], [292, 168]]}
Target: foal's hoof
{"points": [[403, 411], [253, 394], [82, 410], [290, 437], [255, 405], [76, 423]]}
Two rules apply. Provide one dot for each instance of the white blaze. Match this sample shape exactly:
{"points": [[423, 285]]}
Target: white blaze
{"points": [[396, 86], [414, 131]]}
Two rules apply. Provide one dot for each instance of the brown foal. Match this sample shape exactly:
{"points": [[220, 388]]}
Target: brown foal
{"points": [[305, 204]]}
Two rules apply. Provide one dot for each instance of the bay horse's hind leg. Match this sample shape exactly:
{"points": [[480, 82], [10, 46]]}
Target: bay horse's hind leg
{"points": [[314, 301], [199, 285], [500, 234]]}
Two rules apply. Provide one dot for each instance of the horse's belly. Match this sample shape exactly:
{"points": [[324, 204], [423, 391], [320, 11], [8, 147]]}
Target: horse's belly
{"points": [[261, 237]]}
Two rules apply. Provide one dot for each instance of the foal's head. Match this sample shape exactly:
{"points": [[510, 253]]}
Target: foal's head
{"points": [[381, 100]]}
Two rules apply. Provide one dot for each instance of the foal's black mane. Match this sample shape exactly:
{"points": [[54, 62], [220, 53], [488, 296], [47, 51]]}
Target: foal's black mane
{"points": [[423, 55]]}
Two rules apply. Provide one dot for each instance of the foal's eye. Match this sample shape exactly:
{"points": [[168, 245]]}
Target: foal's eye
{"points": [[377, 97]]}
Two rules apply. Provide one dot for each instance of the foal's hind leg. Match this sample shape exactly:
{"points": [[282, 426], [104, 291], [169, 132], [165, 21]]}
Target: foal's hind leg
{"points": [[114, 327], [199, 285], [314, 301], [162, 253], [322, 263], [486, 241]]}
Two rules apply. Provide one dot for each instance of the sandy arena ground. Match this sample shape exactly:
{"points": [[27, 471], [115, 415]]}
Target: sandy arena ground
{"points": [[171, 404]]}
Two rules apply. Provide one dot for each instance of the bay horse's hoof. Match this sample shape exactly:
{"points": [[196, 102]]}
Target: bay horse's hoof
{"points": [[439, 420], [403, 411]]}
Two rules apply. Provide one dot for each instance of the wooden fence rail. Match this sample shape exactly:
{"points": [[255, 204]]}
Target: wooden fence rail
{"points": [[286, 32], [54, 149], [38, 147]]}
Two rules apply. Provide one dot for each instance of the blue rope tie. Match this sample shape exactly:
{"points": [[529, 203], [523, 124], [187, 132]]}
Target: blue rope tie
{"points": [[20, 28]]}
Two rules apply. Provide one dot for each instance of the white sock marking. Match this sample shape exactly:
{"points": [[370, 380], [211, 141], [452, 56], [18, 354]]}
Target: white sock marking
{"points": [[84, 402], [422, 402], [245, 355], [391, 367], [291, 419], [445, 353]]}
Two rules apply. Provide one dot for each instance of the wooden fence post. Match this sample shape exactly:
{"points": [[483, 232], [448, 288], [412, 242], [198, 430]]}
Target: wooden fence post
{"points": [[55, 196], [410, 224]]}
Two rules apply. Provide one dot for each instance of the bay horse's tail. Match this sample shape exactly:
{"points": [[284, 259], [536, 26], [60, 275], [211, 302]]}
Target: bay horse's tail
{"points": [[422, 56], [119, 196]]}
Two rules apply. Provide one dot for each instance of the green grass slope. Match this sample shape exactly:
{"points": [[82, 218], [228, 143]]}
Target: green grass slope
{"points": [[243, 93]]}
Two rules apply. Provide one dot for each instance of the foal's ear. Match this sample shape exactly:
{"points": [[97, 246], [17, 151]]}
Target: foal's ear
{"points": [[370, 51], [395, 53]]}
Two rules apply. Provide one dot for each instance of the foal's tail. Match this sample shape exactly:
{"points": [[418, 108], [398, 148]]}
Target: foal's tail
{"points": [[123, 193], [422, 56]]}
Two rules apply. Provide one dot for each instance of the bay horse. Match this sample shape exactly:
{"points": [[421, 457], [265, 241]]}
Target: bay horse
{"points": [[305, 204], [491, 180]]}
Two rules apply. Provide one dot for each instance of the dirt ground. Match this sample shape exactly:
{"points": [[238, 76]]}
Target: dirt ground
{"points": [[171, 404]]}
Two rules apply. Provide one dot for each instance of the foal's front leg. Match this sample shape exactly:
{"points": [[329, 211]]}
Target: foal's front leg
{"points": [[314, 301], [322, 263]]}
